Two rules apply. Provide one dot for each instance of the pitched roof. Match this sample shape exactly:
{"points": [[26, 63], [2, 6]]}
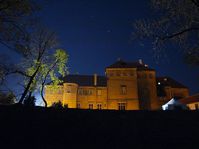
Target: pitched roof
{"points": [[85, 80], [190, 99], [123, 64], [167, 81]]}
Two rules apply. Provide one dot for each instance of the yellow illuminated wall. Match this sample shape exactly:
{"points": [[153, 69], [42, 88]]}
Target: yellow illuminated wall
{"points": [[122, 88], [127, 89]]}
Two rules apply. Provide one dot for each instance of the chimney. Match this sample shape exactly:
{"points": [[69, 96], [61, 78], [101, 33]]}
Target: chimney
{"points": [[95, 79], [140, 61]]}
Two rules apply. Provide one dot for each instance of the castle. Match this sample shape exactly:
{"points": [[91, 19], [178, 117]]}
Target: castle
{"points": [[125, 86]]}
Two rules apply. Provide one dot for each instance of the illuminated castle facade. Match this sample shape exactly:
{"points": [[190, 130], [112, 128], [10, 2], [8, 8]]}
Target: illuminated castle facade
{"points": [[126, 86]]}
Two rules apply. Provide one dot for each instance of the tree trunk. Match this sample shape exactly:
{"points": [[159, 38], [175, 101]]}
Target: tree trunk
{"points": [[42, 95], [28, 86], [43, 83]]}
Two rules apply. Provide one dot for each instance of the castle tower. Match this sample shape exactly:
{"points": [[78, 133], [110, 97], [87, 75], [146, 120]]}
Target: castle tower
{"points": [[70, 95], [122, 86], [147, 91]]}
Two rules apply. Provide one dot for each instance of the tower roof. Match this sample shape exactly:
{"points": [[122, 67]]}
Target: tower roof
{"points": [[122, 64]]}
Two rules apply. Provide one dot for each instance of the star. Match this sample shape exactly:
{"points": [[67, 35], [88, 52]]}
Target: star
{"points": [[108, 31]]}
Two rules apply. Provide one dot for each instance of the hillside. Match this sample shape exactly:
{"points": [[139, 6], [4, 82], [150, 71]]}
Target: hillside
{"points": [[52, 128]]}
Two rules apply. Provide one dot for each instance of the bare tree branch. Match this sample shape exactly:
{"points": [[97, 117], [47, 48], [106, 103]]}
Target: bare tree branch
{"points": [[180, 33], [18, 72], [196, 3]]}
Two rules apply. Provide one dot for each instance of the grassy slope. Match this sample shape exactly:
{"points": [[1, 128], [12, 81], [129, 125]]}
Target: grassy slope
{"points": [[51, 128]]}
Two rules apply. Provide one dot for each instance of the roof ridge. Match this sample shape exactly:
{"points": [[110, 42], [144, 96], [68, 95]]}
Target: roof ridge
{"points": [[84, 75]]}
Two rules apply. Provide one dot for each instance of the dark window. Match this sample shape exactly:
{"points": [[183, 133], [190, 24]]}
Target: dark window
{"points": [[196, 106], [150, 76], [121, 106], [138, 76], [90, 106], [78, 106], [144, 76], [123, 90], [99, 106], [160, 90]]}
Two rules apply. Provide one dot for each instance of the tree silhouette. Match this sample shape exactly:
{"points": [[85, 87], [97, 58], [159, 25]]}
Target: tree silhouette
{"points": [[16, 16], [174, 21], [30, 100], [7, 98], [57, 105], [43, 62]]}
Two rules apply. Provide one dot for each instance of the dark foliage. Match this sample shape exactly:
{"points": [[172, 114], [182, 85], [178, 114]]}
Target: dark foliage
{"points": [[57, 105], [30, 101], [98, 129], [7, 98], [175, 22], [15, 16]]}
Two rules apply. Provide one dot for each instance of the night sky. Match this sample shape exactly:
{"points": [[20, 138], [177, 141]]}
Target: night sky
{"points": [[96, 33]]}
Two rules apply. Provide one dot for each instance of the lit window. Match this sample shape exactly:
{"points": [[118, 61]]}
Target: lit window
{"points": [[99, 92], [123, 89], [80, 91], [90, 92], [121, 106], [99, 106], [90, 106], [85, 92]]}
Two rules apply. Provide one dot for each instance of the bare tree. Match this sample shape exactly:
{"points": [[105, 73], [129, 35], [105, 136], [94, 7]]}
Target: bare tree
{"points": [[42, 62], [174, 21], [15, 21]]}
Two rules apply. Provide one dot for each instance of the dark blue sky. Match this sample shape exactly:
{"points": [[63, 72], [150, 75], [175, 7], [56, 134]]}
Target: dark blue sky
{"points": [[96, 33]]}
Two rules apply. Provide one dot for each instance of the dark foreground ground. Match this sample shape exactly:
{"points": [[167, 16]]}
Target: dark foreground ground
{"points": [[50, 128]]}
